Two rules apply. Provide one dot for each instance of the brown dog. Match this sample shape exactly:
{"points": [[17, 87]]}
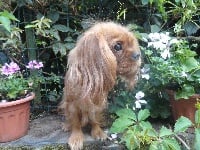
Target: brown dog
{"points": [[103, 52]]}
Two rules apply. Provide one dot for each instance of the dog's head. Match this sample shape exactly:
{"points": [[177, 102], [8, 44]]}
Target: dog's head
{"points": [[103, 52], [125, 48]]}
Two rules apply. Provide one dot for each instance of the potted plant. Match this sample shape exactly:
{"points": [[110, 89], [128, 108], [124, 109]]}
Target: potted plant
{"points": [[173, 68], [15, 96]]}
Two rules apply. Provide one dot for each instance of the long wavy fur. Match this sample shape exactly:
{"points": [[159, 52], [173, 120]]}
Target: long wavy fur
{"points": [[93, 66]]}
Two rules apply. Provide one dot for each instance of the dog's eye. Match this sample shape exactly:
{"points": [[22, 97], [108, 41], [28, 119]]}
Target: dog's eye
{"points": [[118, 47]]}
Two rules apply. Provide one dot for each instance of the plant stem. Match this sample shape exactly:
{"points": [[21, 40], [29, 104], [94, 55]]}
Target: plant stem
{"points": [[182, 141]]}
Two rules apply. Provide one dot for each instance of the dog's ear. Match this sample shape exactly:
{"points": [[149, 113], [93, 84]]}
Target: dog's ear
{"points": [[92, 66]]}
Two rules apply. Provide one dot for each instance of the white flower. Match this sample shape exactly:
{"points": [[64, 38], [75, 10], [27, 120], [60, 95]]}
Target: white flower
{"points": [[154, 36], [145, 76], [145, 70], [165, 54], [164, 38], [183, 74], [139, 102], [113, 136], [139, 95], [157, 45], [174, 41]]}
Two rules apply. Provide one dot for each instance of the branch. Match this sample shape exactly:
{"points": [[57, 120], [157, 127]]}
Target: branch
{"points": [[193, 38], [182, 141]]}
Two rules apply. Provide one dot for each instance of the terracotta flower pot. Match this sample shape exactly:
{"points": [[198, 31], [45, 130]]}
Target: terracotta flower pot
{"points": [[183, 107], [14, 118]]}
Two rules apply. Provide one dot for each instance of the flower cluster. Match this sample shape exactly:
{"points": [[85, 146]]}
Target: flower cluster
{"points": [[34, 65], [162, 42], [170, 62], [13, 84], [12, 67], [9, 69]]}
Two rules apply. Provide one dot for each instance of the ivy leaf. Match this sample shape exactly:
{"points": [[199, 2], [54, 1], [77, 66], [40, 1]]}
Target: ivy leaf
{"points": [[165, 132], [61, 28], [143, 114], [182, 124], [53, 15], [126, 113], [190, 27], [120, 124], [59, 47]]}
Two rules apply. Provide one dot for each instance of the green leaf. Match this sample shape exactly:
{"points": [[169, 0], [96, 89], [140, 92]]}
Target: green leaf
{"points": [[145, 125], [190, 27], [53, 15], [120, 124], [197, 117], [165, 132], [54, 33], [197, 139], [143, 114], [182, 124], [59, 47], [131, 140], [154, 146], [155, 28], [8, 15], [126, 113], [151, 133], [30, 26], [189, 64], [61, 28], [145, 2], [171, 143], [5, 22], [185, 92]]}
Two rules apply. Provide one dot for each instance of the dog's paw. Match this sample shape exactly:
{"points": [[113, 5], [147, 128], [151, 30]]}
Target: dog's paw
{"points": [[98, 133], [76, 141], [66, 127]]}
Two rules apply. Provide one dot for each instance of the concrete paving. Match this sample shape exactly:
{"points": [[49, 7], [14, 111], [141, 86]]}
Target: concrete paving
{"points": [[46, 131]]}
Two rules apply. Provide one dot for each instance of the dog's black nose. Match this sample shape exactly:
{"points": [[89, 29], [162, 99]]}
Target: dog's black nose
{"points": [[135, 56]]}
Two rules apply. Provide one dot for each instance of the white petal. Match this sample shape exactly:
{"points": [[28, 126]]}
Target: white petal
{"points": [[139, 95], [145, 76], [137, 104], [142, 101], [113, 136]]}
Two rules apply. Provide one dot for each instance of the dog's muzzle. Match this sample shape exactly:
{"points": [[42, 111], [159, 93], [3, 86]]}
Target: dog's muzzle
{"points": [[135, 56]]}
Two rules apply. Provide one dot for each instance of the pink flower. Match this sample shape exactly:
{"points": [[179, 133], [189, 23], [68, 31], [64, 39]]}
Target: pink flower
{"points": [[9, 69], [34, 65]]}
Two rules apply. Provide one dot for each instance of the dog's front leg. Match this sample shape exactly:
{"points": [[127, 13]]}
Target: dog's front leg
{"points": [[96, 131], [76, 138]]}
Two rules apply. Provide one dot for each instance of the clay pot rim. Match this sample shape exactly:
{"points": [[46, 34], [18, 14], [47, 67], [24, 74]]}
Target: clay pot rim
{"points": [[19, 101]]}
